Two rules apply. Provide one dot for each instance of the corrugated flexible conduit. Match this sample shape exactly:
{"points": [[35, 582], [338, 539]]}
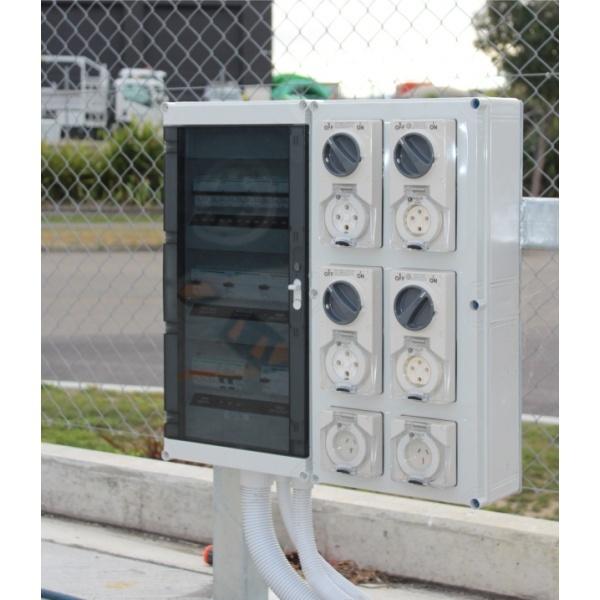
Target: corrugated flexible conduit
{"points": [[310, 558], [339, 585], [262, 542]]}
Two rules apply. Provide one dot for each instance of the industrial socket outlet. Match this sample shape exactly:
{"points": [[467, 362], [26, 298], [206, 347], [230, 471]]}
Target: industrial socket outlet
{"points": [[418, 371], [349, 302], [349, 180], [346, 362], [352, 442], [422, 334], [423, 451], [421, 183]]}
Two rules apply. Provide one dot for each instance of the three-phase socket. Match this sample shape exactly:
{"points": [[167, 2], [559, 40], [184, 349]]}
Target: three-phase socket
{"points": [[351, 442], [350, 325], [422, 334], [420, 181], [423, 451], [349, 181]]}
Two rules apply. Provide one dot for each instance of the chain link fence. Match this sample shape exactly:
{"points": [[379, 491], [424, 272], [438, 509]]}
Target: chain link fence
{"points": [[106, 68]]}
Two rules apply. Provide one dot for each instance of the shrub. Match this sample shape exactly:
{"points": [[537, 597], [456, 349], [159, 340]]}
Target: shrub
{"points": [[124, 167]]}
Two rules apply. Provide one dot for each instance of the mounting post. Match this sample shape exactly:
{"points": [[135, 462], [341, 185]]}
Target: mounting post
{"points": [[235, 575]]}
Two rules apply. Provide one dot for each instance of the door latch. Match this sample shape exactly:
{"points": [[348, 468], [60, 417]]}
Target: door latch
{"points": [[296, 289]]}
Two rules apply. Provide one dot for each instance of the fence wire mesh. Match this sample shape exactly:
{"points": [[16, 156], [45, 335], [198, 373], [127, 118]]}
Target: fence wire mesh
{"points": [[107, 66]]}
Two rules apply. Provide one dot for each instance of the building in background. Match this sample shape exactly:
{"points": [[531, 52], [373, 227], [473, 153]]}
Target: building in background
{"points": [[195, 43]]}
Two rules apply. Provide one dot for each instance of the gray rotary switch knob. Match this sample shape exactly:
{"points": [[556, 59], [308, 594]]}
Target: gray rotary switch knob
{"points": [[341, 302], [341, 154], [413, 155], [413, 308]]}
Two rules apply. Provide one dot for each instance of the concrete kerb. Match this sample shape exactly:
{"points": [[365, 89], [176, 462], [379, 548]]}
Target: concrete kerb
{"points": [[449, 545]]}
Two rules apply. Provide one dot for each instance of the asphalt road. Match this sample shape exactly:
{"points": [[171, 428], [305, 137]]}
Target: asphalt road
{"points": [[102, 321]]}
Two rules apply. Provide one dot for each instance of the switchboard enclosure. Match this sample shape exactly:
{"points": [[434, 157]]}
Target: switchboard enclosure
{"points": [[342, 292]]}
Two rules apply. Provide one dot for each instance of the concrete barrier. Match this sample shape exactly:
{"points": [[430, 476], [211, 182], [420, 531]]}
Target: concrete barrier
{"points": [[449, 545]]}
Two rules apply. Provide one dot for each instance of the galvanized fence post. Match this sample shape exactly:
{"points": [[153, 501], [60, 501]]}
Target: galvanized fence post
{"points": [[235, 576]]}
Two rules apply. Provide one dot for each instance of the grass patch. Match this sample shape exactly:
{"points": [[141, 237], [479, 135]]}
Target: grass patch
{"points": [[540, 475], [119, 236], [131, 423], [125, 423], [95, 218]]}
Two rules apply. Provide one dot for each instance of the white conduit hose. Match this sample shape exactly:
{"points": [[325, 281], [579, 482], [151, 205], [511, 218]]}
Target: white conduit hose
{"points": [[262, 543], [310, 559], [345, 588]]}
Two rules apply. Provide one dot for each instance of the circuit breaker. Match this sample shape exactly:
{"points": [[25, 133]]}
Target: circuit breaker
{"points": [[341, 292]]}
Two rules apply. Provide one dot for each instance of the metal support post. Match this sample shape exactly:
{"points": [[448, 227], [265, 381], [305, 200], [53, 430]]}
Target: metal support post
{"points": [[235, 576]]}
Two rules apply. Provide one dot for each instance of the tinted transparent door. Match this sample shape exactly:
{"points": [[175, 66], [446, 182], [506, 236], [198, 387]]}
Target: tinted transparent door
{"points": [[242, 346]]}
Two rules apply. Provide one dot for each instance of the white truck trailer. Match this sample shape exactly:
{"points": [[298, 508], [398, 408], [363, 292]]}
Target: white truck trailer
{"points": [[76, 95]]}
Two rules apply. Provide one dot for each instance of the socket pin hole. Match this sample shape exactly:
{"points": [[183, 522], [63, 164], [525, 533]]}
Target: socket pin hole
{"points": [[474, 305], [475, 503], [475, 103]]}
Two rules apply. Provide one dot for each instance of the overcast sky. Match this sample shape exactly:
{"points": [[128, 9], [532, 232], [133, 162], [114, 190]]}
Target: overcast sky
{"points": [[395, 42]]}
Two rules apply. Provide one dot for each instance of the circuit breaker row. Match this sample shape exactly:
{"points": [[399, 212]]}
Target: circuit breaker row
{"points": [[416, 159]]}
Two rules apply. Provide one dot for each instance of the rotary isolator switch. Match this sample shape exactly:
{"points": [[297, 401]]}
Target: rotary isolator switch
{"points": [[414, 308], [413, 155], [341, 302], [341, 154]]}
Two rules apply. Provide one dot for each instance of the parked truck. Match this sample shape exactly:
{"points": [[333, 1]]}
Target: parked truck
{"points": [[77, 96]]}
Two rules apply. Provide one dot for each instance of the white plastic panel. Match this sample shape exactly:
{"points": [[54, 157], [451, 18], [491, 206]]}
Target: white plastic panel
{"points": [[478, 151], [422, 360], [350, 202], [350, 352], [424, 203]]}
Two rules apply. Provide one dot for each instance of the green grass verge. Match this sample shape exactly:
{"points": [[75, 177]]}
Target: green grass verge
{"points": [[119, 232], [131, 423], [126, 423], [99, 219], [540, 470]]}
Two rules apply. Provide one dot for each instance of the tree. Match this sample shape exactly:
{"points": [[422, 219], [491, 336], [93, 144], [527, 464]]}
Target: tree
{"points": [[521, 37]]}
